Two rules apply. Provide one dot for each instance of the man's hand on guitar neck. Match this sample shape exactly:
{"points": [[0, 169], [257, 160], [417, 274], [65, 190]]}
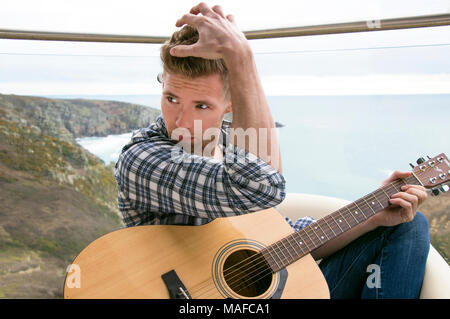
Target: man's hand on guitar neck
{"points": [[403, 204], [403, 209]]}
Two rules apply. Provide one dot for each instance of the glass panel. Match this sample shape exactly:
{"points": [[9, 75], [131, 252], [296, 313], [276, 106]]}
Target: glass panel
{"points": [[149, 18]]}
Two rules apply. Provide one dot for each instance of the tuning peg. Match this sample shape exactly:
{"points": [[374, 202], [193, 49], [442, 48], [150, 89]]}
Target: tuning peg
{"points": [[420, 161], [412, 166], [435, 191], [428, 157], [444, 188]]}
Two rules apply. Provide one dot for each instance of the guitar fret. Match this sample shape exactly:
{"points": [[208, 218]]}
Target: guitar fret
{"points": [[293, 246], [393, 185], [375, 201], [369, 206], [315, 227], [273, 258], [381, 205], [275, 249], [353, 215], [362, 212], [277, 259], [384, 198], [323, 232], [340, 221], [345, 219], [325, 219], [280, 250], [301, 241], [389, 197], [306, 232], [414, 180], [287, 250]]}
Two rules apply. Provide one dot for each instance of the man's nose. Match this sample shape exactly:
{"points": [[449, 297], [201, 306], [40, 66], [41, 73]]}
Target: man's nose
{"points": [[185, 120]]}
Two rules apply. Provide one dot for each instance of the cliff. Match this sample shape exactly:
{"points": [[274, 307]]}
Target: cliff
{"points": [[56, 197]]}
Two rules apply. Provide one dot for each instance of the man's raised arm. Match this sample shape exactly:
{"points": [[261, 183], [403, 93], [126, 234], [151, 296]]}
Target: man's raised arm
{"points": [[220, 38]]}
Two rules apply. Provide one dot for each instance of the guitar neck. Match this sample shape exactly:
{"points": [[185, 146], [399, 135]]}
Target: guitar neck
{"points": [[291, 248]]}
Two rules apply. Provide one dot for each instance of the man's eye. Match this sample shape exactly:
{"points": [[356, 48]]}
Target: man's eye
{"points": [[202, 106], [172, 99]]}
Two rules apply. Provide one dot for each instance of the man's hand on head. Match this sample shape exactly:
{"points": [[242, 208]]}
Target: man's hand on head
{"points": [[219, 36]]}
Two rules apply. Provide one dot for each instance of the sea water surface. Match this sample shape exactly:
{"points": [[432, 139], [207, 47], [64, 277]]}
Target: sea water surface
{"points": [[339, 146]]}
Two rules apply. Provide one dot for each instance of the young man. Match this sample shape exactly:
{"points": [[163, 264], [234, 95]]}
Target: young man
{"points": [[209, 70]]}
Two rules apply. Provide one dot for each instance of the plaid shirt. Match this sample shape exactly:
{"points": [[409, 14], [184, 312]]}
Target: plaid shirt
{"points": [[159, 183]]}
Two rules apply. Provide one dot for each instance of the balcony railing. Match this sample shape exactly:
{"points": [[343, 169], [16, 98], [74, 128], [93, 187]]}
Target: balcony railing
{"points": [[347, 27]]}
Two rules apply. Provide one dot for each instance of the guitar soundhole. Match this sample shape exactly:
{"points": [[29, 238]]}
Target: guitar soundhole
{"points": [[247, 273]]}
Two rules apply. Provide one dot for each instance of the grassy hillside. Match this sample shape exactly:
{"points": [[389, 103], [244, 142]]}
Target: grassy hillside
{"points": [[437, 211], [56, 197]]}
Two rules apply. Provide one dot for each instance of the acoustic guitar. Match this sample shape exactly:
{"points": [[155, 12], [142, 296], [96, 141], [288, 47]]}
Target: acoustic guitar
{"points": [[255, 255]]}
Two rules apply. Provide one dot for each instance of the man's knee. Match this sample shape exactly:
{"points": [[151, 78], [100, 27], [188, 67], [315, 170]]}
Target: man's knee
{"points": [[420, 227], [420, 222], [416, 230]]}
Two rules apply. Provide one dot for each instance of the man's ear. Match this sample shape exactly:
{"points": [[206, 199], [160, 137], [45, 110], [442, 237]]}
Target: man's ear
{"points": [[229, 108]]}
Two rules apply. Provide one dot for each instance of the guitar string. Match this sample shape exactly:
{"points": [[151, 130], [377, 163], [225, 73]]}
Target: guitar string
{"points": [[262, 260]]}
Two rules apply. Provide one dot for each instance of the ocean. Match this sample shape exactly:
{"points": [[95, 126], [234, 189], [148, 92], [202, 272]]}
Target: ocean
{"points": [[339, 146]]}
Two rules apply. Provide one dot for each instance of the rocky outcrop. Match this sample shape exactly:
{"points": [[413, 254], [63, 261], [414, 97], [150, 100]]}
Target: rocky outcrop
{"points": [[69, 119]]}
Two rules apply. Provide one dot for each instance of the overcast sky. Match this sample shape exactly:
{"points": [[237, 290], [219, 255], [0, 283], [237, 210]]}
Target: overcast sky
{"points": [[388, 62]]}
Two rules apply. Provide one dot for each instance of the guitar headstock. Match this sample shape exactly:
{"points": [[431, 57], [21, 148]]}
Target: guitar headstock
{"points": [[433, 172]]}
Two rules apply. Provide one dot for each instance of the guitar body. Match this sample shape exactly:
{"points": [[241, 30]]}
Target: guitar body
{"points": [[129, 263]]}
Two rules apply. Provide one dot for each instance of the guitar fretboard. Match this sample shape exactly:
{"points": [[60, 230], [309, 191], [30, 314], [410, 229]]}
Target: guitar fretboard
{"points": [[291, 248]]}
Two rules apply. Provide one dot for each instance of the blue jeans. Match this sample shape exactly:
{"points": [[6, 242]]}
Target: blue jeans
{"points": [[388, 262]]}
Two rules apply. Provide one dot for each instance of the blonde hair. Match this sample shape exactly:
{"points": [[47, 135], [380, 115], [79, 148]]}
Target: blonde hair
{"points": [[191, 66]]}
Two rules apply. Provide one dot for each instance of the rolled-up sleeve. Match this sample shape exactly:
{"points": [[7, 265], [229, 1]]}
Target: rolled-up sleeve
{"points": [[154, 175]]}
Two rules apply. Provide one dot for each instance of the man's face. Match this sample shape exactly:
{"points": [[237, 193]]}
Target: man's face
{"points": [[185, 100]]}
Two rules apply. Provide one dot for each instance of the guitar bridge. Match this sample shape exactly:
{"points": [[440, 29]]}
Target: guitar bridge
{"points": [[175, 286]]}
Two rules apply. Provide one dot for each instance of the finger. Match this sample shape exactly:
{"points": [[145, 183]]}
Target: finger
{"points": [[230, 18], [202, 8], [183, 51], [418, 191], [413, 199], [407, 201], [190, 19], [416, 186], [218, 9], [396, 175], [406, 212]]}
